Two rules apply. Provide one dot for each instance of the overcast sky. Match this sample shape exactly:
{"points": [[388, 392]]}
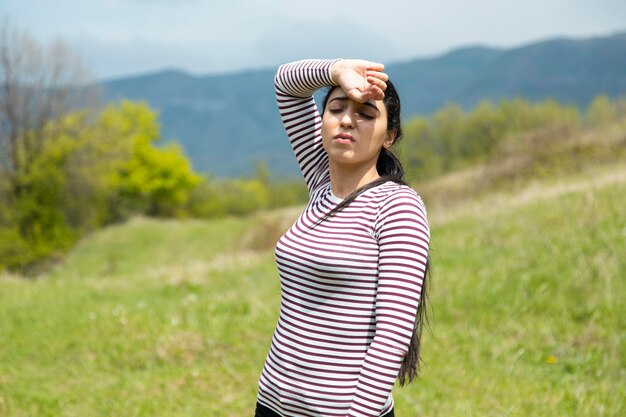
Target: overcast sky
{"points": [[127, 37]]}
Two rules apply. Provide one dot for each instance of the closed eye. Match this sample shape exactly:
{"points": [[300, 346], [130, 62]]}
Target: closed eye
{"points": [[365, 116], [357, 114]]}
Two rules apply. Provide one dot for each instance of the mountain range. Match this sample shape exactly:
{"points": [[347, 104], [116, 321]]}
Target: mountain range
{"points": [[227, 123]]}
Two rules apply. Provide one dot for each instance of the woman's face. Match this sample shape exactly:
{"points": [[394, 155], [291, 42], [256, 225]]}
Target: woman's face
{"points": [[353, 133]]}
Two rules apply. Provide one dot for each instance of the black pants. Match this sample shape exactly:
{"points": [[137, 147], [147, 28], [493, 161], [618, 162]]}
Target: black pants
{"points": [[262, 411]]}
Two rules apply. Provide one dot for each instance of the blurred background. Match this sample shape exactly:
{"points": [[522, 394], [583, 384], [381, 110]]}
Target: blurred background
{"points": [[145, 178]]}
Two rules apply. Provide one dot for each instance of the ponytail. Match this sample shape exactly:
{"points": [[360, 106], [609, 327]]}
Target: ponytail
{"points": [[388, 165], [410, 368]]}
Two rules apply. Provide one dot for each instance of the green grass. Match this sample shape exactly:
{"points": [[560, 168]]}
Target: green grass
{"points": [[174, 318], [527, 312]]}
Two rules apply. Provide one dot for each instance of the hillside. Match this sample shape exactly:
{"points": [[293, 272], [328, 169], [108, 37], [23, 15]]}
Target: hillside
{"points": [[175, 317], [226, 123]]}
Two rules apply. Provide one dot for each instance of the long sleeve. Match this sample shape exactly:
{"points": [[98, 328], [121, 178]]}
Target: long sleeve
{"points": [[403, 236], [295, 84]]}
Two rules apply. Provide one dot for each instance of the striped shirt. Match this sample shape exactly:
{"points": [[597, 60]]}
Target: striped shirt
{"points": [[350, 285]]}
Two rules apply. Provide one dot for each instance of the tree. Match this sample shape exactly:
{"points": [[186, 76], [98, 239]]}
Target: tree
{"points": [[38, 84], [420, 150], [601, 111], [484, 127], [448, 128], [157, 181]]}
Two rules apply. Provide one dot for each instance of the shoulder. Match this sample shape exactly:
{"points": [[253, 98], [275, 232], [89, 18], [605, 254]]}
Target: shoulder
{"points": [[392, 193], [400, 203]]}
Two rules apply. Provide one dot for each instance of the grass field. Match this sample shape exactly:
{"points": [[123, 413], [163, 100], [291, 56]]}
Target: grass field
{"points": [[174, 318]]}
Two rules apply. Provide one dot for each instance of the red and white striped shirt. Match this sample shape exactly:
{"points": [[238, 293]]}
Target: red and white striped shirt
{"points": [[350, 285]]}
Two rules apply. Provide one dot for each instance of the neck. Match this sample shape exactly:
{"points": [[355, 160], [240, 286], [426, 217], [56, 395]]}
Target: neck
{"points": [[346, 179]]}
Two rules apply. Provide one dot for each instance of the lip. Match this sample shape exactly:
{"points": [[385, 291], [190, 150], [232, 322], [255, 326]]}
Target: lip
{"points": [[343, 138]]}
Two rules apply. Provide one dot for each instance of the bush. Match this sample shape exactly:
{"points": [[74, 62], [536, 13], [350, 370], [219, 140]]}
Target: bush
{"points": [[451, 138]]}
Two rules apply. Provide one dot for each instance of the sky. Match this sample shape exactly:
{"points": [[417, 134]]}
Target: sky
{"points": [[119, 38]]}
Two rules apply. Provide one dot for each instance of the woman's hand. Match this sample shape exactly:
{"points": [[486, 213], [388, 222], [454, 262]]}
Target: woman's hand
{"points": [[361, 80]]}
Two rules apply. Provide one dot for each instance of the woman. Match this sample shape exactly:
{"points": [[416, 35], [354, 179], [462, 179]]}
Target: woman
{"points": [[353, 266]]}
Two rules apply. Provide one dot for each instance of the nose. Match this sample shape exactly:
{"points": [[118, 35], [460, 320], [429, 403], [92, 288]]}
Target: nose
{"points": [[347, 120]]}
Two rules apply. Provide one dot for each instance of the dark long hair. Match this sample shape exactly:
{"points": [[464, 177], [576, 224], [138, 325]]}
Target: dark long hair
{"points": [[390, 169]]}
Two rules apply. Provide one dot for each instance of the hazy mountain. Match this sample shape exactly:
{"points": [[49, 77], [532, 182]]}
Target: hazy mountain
{"points": [[226, 123]]}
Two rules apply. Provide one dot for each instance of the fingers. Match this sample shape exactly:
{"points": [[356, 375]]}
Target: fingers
{"points": [[375, 67], [378, 82], [377, 74], [377, 85], [362, 80], [374, 93], [378, 93]]}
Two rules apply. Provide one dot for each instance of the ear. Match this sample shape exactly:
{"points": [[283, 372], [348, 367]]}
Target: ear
{"points": [[391, 137]]}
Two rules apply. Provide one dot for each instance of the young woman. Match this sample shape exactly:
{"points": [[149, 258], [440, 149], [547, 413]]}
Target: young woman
{"points": [[353, 266]]}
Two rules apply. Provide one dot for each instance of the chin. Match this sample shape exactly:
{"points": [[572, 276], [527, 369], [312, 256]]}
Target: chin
{"points": [[341, 157]]}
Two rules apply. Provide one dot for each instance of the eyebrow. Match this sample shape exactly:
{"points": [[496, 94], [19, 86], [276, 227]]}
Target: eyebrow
{"points": [[344, 98]]}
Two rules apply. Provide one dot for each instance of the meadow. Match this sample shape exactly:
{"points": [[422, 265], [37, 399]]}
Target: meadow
{"points": [[174, 317]]}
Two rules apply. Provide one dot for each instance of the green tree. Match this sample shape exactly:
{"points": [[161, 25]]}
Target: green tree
{"points": [[601, 111], [157, 181], [448, 128], [90, 172], [452, 139], [483, 128], [420, 151], [38, 85]]}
